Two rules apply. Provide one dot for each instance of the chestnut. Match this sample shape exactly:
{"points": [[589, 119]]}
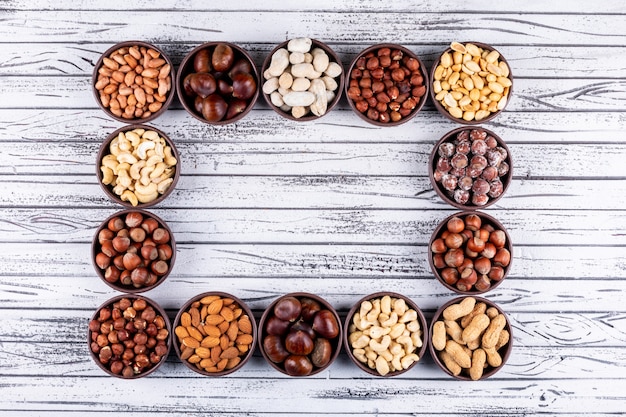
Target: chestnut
{"points": [[296, 365], [325, 324], [203, 84], [202, 61], [309, 308], [288, 309], [298, 342], [244, 85], [276, 326], [223, 57], [235, 107], [241, 65], [322, 352], [274, 348], [214, 108]]}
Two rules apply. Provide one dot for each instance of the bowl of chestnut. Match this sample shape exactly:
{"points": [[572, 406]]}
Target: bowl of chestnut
{"points": [[470, 168], [385, 334], [300, 334], [470, 252], [218, 83], [216, 333], [129, 336], [386, 84], [133, 251], [470, 338], [302, 79]]}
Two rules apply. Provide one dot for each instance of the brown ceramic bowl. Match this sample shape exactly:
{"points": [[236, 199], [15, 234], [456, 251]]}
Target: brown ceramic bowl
{"points": [[480, 270], [237, 77], [351, 331], [136, 170], [214, 316], [295, 324], [391, 104], [494, 362], [337, 79], [131, 320], [108, 71], [112, 255], [473, 175], [464, 118]]}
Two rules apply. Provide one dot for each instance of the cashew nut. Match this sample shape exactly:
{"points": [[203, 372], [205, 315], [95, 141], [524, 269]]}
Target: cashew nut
{"points": [[164, 185], [126, 156], [143, 148], [153, 160], [150, 135], [130, 197], [382, 345], [361, 342], [107, 175], [393, 319], [377, 332], [169, 159], [135, 169], [409, 360], [360, 355], [134, 138]]}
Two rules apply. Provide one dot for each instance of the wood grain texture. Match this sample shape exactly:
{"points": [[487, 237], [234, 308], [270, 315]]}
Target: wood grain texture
{"points": [[336, 207]]}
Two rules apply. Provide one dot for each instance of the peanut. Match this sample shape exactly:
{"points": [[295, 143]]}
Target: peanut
{"points": [[470, 343], [473, 73], [380, 339], [122, 76], [222, 345]]}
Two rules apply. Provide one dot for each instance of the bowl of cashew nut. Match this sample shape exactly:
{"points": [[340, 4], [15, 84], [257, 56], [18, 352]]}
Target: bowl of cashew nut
{"points": [[137, 166]]}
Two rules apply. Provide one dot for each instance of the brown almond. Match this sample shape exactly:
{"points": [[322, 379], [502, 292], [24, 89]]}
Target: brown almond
{"points": [[243, 348], [221, 365], [214, 319], [185, 319], [244, 339], [210, 342], [203, 312], [186, 352], [150, 73], [195, 333], [164, 72], [232, 331], [181, 332], [154, 53], [212, 330], [228, 301], [229, 353], [237, 312], [203, 352], [223, 326], [224, 342], [207, 363], [156, 63], [194, 359], [233, 362], [195, 315], [245, 325], [191, 342], [215, 353], [215, 307], [228, 314], [209, 298]]}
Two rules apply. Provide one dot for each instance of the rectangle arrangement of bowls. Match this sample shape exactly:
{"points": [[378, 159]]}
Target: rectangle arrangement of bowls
{"points": [[300, 334]]}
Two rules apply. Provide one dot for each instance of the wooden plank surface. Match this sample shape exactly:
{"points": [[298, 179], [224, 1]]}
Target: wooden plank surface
{"points": [[335, 207]]}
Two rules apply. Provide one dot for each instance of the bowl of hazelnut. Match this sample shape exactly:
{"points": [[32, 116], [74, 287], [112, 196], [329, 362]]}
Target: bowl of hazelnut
{"points": [[470, 253], [129, 336], [133, 81], [302, 79], [300, 334], [215, 333], [218, 83], [387, 84], [470, 338], [385, 334], [138, 166], [133, 251], [470, 168], [471, 83]]}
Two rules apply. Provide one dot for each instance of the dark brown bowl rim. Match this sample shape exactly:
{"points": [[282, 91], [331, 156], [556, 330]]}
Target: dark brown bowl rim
{"points": [[247, 311], [484, 217], [95, 245], [104, 150], [444, 112], [183, 71], [150, 302], [425, 75], [423, 323], [508, 178], [490, 370], [340, 79], [269, 310], [170, 94]]}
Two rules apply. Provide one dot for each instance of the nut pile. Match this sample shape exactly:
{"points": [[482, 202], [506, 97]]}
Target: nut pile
{"points": [[129, 337], [385, 335], [386, 85], [301, 335], [470, 254], [133, 251], [133, 82], [222, 84], [470, 338], [140, 166], [470, 168], [301, 78], [470, 82], [214, 334]]}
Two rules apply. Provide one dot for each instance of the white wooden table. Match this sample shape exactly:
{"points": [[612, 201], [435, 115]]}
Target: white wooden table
{"points": [[335, 207]]}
